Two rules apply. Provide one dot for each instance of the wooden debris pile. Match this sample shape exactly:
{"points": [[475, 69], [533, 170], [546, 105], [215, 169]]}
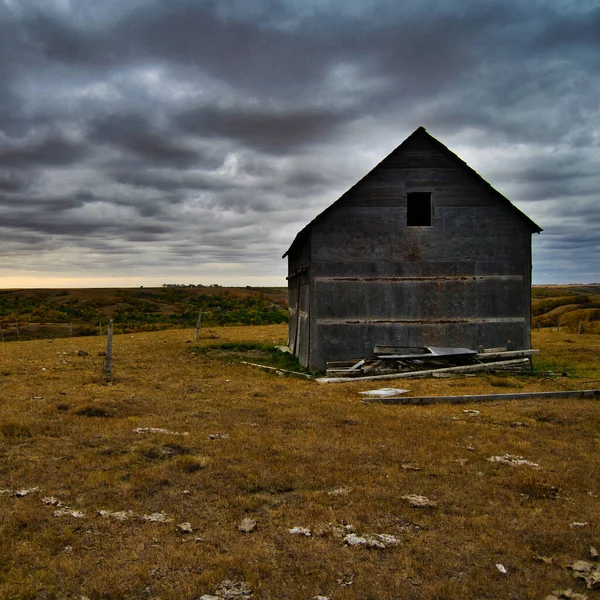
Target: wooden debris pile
{"points": [[395, 362]]}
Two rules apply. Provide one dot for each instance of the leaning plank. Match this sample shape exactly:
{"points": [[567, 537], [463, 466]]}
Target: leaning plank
{"points": [[357, 366], [266, 368], [508, 354], [487, 397], [416, 374]]}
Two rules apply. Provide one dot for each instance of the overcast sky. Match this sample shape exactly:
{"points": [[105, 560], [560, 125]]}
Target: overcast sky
{"points": [[185, 141]]}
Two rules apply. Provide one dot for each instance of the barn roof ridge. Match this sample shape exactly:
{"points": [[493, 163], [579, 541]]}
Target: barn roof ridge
{"points": [[443, 148]]}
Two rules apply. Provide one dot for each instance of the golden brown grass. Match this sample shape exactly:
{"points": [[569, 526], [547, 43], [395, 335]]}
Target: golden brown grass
{"points": [[289, 443]]}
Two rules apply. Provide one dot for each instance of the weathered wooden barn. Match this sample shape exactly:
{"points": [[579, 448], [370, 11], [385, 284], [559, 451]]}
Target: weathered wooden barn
{"points": [[420, 252]]}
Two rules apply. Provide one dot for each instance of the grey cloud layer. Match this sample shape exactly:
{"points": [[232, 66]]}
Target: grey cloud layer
{"points": [[208, 132]]}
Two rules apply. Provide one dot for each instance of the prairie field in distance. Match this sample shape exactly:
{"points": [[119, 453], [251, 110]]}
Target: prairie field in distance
{"points": [[187, 434]]}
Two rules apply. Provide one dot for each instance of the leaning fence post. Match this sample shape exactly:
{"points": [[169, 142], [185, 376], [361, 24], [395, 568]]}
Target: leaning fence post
{"points": [[108, 357], [198, 324]]}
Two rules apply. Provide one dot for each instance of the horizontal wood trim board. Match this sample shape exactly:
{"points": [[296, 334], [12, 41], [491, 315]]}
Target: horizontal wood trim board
{"points": [[593, 394], [367, 321], [438, 278]]}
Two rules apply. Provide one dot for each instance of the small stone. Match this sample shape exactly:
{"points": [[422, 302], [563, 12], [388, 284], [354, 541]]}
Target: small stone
{"points": [[581, 566], [157, 518], [410, 467], [593, 553], [247, 525], [513, 461], [501, 568], [579, 524], [300, 531], [471, 412], [515, 424], [417, 501], [341, 491], [68, 549], [218, 436], [321, 598], [185, 527]]}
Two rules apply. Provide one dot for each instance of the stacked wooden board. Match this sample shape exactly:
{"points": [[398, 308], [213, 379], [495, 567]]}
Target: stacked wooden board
{"points": [[394, 362]]}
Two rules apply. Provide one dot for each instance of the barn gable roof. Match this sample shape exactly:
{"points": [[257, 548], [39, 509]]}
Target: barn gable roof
{"points": [[419, 132]]}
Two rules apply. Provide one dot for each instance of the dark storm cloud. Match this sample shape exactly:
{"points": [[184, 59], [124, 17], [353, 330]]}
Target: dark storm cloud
{"points": [[271, 131], [52, 149], [193, 132]]}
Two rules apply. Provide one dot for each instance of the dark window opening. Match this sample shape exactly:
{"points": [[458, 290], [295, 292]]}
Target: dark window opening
{"points": [[419, 211]]}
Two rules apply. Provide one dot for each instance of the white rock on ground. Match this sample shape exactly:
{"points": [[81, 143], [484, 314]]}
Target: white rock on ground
{"points": [[300, 531], [501, 568], [159, 430], [374, 540], [513, 461], [157, 518], [119, 515], [247, 525], [185, 527], [417, 501]]}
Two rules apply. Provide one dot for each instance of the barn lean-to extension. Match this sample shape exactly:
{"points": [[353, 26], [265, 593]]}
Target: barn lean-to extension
{"points": [[421, 251]]}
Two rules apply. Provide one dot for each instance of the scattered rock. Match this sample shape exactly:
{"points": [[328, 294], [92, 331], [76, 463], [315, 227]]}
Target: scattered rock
{"points": [[417, 501], [410, 467], [461, 461], [321, 598], [501, 568], [577, 524], [19, 493], [341, 491], [470, 448], [588, 572], [581, 566], [247, 525], [515, 424], [68, 549], [51, 501], [157, 518], [218, 436], [593, 553], [159, 430], [377, 540], [64, 512], [473, 413], [185, 527], [344, 581], [119, 515], [237, 590], [513, 461], [300, 531], [565, 595]]}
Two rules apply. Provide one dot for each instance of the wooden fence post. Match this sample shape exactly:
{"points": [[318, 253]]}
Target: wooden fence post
{"points": [[18, 333], [579, 327], [100, 324], [198, 324], [70, 329], [108, 357], [1, 332], [558, 325]]}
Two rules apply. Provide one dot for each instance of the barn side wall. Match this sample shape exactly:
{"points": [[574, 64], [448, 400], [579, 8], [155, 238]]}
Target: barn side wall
{"points": [[464, 281]]}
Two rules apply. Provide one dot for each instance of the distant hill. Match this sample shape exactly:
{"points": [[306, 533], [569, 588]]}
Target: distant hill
{"points": [[568, 305], [143, 309]]}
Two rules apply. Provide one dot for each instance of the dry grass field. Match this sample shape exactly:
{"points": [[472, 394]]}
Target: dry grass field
{"points": [[286, 453]]}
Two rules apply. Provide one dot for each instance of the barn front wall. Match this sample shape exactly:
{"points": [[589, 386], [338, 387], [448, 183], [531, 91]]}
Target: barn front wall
{"points": [[463, 281]]}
